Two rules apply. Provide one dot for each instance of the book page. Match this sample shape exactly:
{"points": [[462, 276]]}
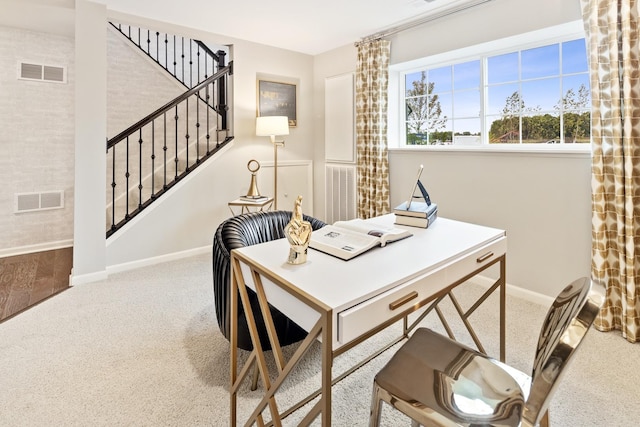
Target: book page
{"points": [[342, 242], [384, 233]]}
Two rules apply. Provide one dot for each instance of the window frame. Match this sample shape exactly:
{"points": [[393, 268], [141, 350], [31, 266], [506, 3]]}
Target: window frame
{"points": [[529, 40]]}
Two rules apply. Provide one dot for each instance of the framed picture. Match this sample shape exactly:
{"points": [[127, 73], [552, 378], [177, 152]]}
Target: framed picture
{"points": [[277, 99]]}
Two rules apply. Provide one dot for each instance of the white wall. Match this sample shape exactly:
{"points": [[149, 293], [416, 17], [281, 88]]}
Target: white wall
{"points": [[542, 201], [333, 63], [136, 86], [37, 140], [90, 137], [185, 220], [490, 21]]}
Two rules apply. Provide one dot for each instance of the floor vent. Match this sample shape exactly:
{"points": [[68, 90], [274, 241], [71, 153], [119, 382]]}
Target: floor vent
{"points": [[45, 73], [30, 202]]}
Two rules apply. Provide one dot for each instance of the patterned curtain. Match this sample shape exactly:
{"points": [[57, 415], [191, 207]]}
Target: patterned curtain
{"points": [[372, 76], [614, 55]]}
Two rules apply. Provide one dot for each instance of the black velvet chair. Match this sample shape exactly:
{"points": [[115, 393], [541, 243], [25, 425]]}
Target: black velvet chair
{"points": [[246, 230]]}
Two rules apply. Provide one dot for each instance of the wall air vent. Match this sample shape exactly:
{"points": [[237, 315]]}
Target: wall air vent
{"points": [[43, 73], [30, 202]]}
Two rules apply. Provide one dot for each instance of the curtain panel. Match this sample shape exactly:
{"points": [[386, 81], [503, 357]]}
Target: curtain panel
{"points": [[372, 77], [611, 29]]}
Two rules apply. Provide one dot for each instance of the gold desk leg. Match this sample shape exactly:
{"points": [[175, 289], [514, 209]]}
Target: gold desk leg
{"points": [[257, 346], [503, 304], [323, 327], [327, 367], [500, 283], [464, 315]]}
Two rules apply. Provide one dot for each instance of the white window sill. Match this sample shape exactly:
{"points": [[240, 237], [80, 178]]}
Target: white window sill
{"points": [[581, 150]]}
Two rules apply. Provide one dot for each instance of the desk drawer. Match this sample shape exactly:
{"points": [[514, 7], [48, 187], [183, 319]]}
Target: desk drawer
{"points": [[358, 320], [477, 259]]}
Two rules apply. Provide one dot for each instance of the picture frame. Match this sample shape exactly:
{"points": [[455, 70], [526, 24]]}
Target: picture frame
{"points": [[277, 99]]}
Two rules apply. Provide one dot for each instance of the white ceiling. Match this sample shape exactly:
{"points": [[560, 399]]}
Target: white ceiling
{"points": [[305, 26]]}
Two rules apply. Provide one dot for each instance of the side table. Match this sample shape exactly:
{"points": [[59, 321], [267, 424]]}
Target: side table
{"points": [[247, 206]]}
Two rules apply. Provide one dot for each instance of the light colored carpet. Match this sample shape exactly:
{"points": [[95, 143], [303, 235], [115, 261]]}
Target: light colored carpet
{"points": [[143, 349]]}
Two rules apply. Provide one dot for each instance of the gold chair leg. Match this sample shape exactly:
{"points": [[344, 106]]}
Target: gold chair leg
{"points": [[376, 403], [254, 378], [544, 421]]}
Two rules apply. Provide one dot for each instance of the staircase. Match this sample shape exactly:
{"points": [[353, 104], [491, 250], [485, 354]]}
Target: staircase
{"points": [[148, 158]]}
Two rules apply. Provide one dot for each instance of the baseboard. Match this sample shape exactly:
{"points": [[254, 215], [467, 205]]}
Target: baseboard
{"points": [[40, 247], [157, 260], [515, 291], [82, 279]]}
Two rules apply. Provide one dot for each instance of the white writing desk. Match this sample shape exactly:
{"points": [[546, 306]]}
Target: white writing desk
{"points": [[345, 302]]}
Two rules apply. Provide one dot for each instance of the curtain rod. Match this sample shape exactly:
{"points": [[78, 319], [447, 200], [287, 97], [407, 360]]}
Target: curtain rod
{"points": [[424, 20]]}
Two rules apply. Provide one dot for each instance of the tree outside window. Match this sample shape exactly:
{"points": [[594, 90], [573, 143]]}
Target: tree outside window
{"points": [[424, 112], [535, 96]]}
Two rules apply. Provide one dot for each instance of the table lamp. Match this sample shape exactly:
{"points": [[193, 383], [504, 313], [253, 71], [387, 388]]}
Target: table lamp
{"points": [[273, 126]]}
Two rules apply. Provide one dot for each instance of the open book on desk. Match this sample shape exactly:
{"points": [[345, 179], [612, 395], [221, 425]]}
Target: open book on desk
{"points": [[347, 239]]}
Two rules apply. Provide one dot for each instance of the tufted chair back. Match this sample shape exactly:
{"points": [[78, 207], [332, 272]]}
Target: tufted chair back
{"points": [[246, 230]]}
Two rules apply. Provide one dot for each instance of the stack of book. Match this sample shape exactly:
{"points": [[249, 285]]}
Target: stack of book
{"points": [[417, 214], [255, 199]]}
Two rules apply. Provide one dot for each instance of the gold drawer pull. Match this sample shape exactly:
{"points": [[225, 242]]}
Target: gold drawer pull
{"points": [[484, 257], [397, 303]]}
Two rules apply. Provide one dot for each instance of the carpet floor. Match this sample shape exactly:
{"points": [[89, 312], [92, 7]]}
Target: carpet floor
{"points": [[142, 348]]}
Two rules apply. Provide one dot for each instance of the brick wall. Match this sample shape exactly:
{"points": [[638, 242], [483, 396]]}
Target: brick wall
{"points": [[36, 137]]}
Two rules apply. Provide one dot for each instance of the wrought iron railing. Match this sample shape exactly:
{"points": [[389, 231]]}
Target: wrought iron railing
{"points": [[151, 156], [189, 61]]}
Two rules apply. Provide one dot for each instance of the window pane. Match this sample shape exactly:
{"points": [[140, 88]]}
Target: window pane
{"points": [[541, 62], [503, 68], [416, 108], [441, 106], [466, 75], [504, 130], [442, 135], [502, 97], [574, 57], [466, 104], [576, 92], [413, 83], [534, 96], [441, 77], [577, 127], [466, 132], [541, 95], [415, 135], [541, 128]]}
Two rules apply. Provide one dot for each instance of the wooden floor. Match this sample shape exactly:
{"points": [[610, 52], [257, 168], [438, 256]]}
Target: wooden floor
{"points": [[28, 279]]}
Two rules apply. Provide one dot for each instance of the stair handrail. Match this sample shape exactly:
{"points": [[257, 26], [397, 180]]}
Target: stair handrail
{"points": [[207, 50], [131, 129], [217, 57]]}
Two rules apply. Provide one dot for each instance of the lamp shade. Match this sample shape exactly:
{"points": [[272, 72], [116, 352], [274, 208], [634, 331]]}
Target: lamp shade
{"points": [[272, 125]]}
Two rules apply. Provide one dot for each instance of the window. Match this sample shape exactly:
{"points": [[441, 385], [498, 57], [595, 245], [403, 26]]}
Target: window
{"points": [[537, 95]]}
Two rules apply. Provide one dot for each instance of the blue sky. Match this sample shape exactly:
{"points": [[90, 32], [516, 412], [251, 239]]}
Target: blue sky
{"points": [[542, 75]]}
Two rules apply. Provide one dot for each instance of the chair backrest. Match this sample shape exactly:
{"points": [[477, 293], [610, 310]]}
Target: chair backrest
{"points": [[564, 327], [240, 231]]}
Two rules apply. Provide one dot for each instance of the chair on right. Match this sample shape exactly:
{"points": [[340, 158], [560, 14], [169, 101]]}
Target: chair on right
{"points": [[436, 381]]}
